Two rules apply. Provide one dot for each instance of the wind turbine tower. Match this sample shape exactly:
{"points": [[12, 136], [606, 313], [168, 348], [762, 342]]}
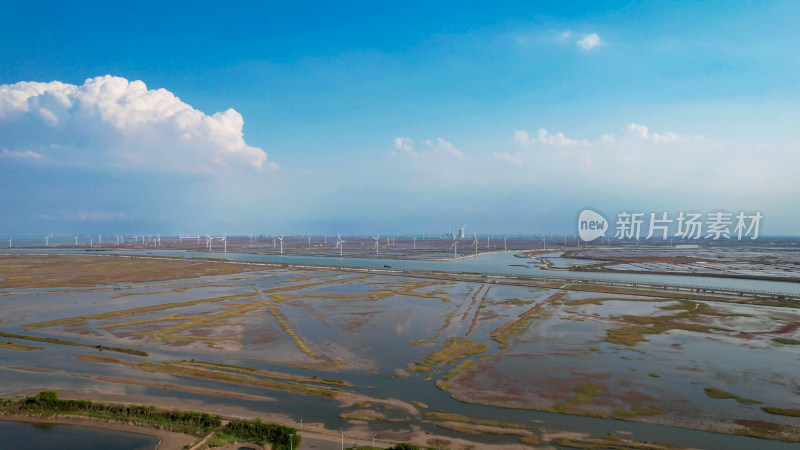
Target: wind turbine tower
{"points": [[280, 238], [475, 243], [454, 246], [376, 243], [339, 243]]}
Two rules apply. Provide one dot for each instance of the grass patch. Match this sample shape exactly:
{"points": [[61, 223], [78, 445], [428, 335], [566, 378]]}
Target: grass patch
{"points": [[790, 412], [179, 370], [515, 302], [636, 411], [502, 333], [583, 394], [56, 341], [133, 311], [452, 417], [454, 349], [12, 346], [786, 341], [259, 372], [643, 325], [720, 394], [288, 330], [465, 366]]}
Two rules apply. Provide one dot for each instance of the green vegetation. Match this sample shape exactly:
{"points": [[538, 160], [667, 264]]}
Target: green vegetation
{"points": [[786, 341], [56, 341], [622, 414], [47, 403], [631, 335], [257, 432], [720, 394], [195, 423], [452, 417], [791, 412], [515, 302], [259, 372], [465, 366], [512, 327], [583, 394], [12, 346], [454, 349], [180, 370]]}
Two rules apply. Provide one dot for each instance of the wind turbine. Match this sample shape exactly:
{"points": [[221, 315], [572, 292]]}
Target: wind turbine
{"points": [[208, 242], [376, 242], [505, 244], [47, 241], [273, 242], [475, 243], [309, 242], [454, 246], [280, 238], [9, 243], [339, 243], [415, 242], [224, 241]]}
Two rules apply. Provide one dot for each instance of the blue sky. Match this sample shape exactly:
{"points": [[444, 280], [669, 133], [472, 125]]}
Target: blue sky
{"points": [[408, 117]]}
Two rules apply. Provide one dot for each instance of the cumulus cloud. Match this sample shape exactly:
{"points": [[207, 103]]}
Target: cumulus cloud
{"points": [[404, 144], [110, 121], [590, 41], [543, 137], [643, 132]]}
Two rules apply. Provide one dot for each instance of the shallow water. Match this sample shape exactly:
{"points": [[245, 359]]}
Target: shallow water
{"points": [[374, 337], [18, 435], [490, 264]]}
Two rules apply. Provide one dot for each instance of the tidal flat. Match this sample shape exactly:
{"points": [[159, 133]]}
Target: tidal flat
{"points": [[505, 362]]}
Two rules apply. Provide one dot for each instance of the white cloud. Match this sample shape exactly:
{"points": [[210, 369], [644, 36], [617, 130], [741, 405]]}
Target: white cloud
{"points": [[590, 41], [405, 144], [443, 146], [439, 147], [643, 132], [543, 137], [113, 122], [27, 154], [565, 35]]}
